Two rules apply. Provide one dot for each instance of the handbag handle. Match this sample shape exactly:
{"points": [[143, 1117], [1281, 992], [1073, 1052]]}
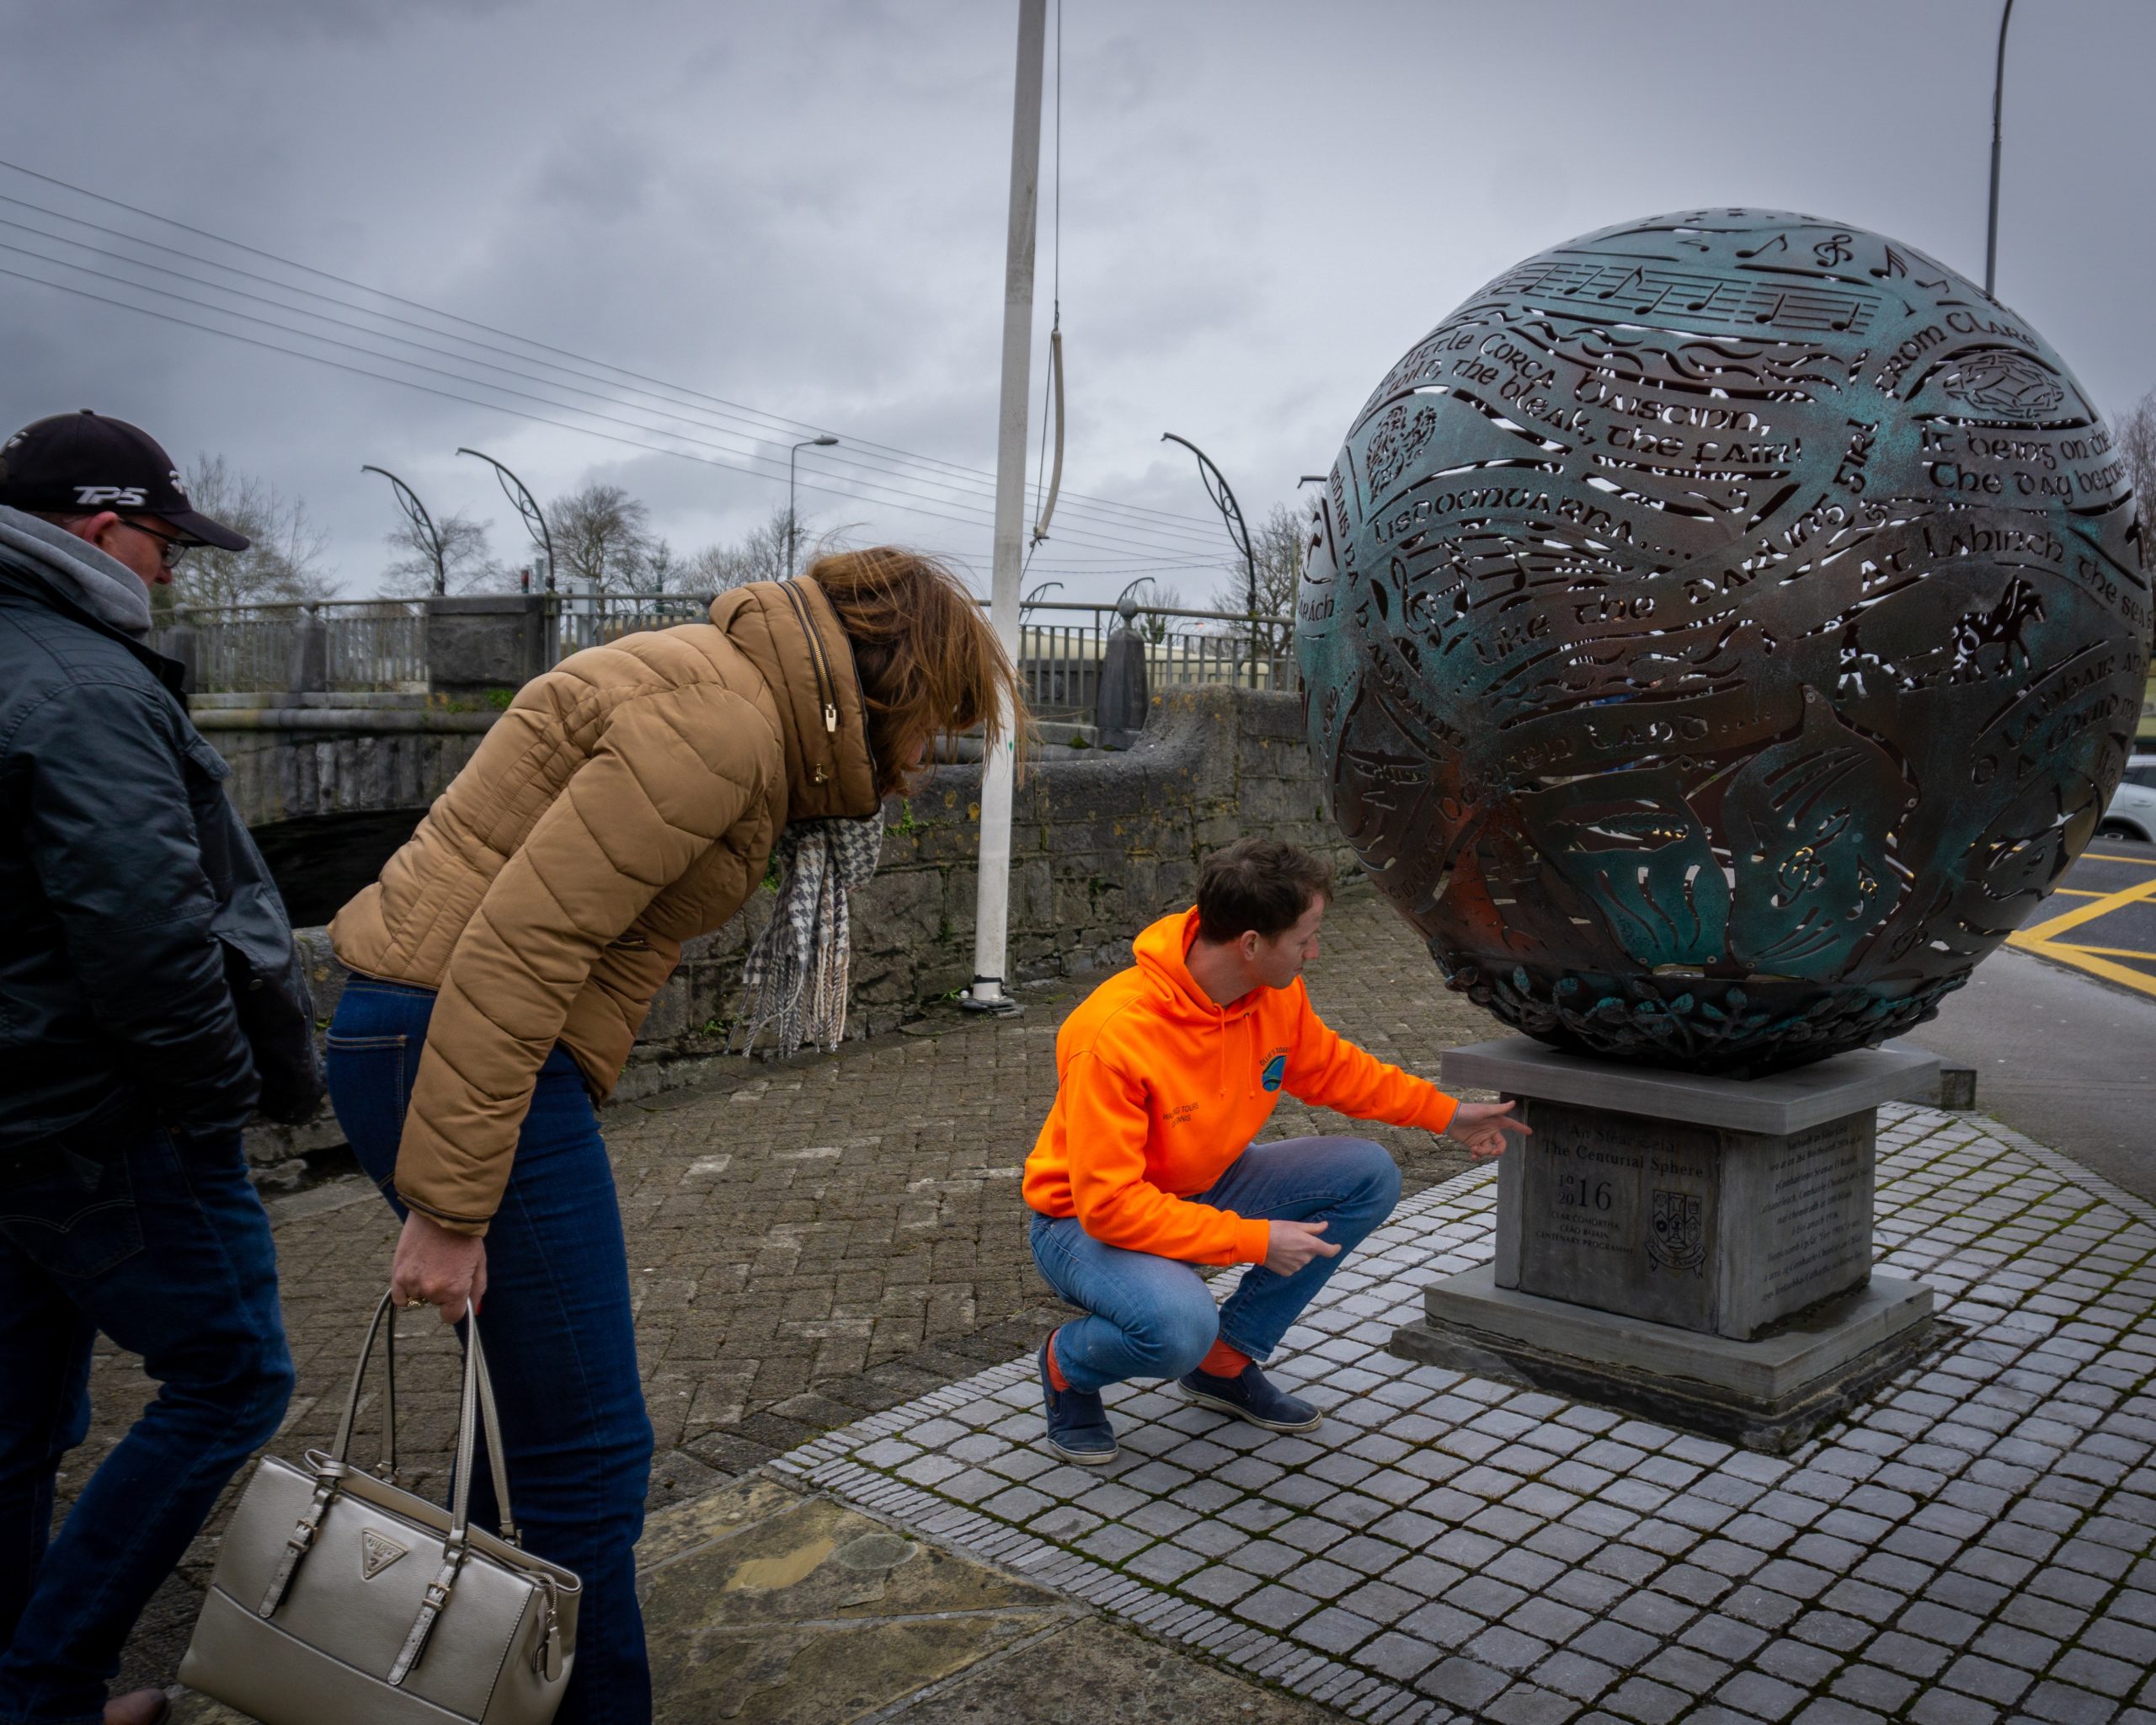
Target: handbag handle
{"points": [[476, 1409], [476, 1413], [477, 1417], [385, 1469]]}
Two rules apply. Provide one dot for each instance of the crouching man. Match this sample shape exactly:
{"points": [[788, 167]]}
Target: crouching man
{"points": [[1145, 1166]]}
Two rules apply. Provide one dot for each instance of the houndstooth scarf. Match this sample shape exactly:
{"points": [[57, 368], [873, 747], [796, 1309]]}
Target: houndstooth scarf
{"points": [[795, 974]]}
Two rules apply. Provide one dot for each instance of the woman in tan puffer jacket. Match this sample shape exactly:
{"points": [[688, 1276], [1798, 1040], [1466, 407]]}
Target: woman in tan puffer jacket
{"points": [[627, 801]]}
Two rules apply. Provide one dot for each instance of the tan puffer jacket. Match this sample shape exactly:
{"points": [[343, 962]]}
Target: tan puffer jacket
{"points": [[625, 802]]}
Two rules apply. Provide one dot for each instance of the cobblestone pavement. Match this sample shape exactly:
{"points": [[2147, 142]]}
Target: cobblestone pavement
{"points": [[810, 1242], [1973, 1544]]}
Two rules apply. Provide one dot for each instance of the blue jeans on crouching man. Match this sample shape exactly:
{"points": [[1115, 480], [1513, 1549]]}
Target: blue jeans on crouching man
{"points": [[561, 1343], [162, 1244], [1153, 1317]]}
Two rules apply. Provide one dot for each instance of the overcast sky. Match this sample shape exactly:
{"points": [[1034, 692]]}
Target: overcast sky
{"points": [[799, 210]]}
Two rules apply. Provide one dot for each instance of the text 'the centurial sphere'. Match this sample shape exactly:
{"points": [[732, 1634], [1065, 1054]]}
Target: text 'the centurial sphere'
{"points": [[1718, 634]]}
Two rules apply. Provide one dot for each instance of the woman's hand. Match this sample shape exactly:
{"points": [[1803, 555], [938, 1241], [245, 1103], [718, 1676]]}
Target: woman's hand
{"points": [[1482, 1127], [438, 1267]]}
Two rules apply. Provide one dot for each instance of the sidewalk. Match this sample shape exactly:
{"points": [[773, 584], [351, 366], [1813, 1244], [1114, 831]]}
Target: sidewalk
{"points": [[1975, 1544], [837, 1308], [811, 1242]]}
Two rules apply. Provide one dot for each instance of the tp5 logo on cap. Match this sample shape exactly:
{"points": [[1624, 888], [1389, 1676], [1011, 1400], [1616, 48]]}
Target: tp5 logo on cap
{"points": [[72, 464]]}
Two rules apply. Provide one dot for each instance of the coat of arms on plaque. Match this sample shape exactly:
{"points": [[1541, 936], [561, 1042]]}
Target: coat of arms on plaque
{"points": [[1676, 1236]]}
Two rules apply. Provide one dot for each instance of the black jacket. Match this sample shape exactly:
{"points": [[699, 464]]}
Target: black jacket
{"points": [[145, 957]]}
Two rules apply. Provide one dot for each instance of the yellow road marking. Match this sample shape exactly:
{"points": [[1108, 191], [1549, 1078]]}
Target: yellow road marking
{"points": [[2099, 961], [2099, 857], [2139, 980], [2048, 931], [2078, 892]]}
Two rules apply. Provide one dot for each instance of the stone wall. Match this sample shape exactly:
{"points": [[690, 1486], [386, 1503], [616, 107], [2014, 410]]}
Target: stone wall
{"points": [[295, 757], [1101, 843]]}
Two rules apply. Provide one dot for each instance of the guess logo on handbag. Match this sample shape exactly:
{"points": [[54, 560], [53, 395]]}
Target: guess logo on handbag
{"points": [[377, 1554]]}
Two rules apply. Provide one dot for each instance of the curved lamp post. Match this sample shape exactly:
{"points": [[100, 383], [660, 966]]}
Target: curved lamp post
{"points": [[792, 528], [416, 512], [525, 504], [1223, 499], [1998, 94]]}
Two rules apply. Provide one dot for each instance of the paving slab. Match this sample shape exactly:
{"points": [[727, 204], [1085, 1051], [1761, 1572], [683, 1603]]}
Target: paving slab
{"points": [[773, 1607], [809, 1240], [1547, 1558]]}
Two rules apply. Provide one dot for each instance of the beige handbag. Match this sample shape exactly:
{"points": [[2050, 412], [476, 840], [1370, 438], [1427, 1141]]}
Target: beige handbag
{"points": [[340, 1598]]}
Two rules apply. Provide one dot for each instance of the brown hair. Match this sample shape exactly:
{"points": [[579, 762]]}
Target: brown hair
{"points": [[930, 665], [1257, 884]]}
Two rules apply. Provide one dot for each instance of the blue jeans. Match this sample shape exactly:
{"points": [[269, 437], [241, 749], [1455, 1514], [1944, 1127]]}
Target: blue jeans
{"points": [[163, 1245], [560, 1345], [1153, 1317]]}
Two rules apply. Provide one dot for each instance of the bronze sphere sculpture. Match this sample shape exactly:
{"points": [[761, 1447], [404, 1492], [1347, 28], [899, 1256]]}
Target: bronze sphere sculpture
{"points": [[1719, 633]]}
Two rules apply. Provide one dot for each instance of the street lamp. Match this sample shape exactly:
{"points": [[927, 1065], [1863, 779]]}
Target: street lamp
{"points": [[527, 505], [792, 532], [1998, 92], [1223, 499], [416, 513]]}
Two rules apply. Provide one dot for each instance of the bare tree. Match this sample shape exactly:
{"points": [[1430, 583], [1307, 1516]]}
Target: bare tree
{"points": [[602, 535], [664, 570], [2136, 434], [1277, 548], [468, 560], [1158, 596], [284, 560], [760, 556]]}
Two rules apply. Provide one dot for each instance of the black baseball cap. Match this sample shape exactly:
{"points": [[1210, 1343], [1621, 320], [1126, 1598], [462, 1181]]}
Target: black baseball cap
{"points": [[79, 463]]}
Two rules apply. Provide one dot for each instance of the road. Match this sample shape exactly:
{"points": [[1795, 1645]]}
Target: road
{"points": [[2060, 1025]]}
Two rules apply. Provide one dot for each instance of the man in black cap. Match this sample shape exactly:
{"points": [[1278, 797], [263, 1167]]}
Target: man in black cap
{"points": [[149, 999]]}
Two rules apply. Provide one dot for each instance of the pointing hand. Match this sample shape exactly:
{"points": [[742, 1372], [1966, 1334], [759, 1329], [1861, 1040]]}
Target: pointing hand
{"points": [[1482, 1126]]}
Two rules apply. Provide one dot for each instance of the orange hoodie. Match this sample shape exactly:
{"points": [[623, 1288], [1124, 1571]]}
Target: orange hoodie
{"points": [[1159, 1090]]}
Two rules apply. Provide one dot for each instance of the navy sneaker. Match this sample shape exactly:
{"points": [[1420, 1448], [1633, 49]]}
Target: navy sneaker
{"points": [[1248, 1396], [1078, 1429]]}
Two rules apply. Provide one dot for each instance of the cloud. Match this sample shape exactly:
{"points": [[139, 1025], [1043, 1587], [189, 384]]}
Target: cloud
{"points": [[802, 209]]}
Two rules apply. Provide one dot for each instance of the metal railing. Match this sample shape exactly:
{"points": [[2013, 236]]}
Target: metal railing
{"points": [[1060, 661], [382, 644], [372, 644], [1060, 658], [585, 620]]}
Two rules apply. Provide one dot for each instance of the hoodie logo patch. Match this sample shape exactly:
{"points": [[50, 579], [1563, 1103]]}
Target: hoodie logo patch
{"points": [[1275, 1072]]}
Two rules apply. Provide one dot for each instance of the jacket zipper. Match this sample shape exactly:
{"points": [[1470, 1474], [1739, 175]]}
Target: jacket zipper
{"points": [[826, 684]]}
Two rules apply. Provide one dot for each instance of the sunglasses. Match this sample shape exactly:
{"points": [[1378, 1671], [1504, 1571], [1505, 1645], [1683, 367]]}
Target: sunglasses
{"points": [[172, 547]]}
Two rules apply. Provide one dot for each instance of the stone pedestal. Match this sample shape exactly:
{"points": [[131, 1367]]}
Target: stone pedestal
{"points": [[483, 643], [1696, 1249]]}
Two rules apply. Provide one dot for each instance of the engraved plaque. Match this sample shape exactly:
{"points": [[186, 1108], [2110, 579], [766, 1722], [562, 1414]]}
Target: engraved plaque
{"points": [[1702, 1227], [1800, 1208], [1620, 1212]]}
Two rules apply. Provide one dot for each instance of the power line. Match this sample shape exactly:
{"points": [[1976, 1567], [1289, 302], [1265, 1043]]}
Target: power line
{"points": [[447, 394], [1163, 516], [1104, 524], [882, 494]]}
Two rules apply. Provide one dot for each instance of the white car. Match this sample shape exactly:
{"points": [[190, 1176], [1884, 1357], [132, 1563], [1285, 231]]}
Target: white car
{"points": [[2132, 813]]}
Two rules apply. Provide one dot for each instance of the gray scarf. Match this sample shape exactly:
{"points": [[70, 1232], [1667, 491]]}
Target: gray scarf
{"points": [[795, 975], [82, 575]]}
